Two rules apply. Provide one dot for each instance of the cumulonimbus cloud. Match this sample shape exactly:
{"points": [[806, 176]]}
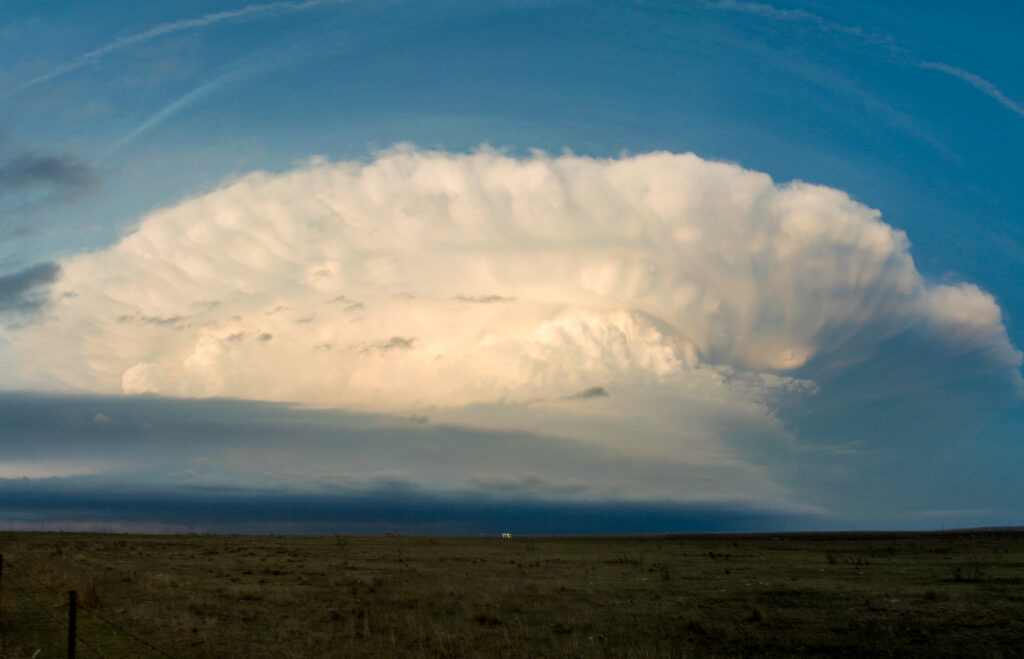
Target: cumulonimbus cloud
{"points": [[422, 278]]}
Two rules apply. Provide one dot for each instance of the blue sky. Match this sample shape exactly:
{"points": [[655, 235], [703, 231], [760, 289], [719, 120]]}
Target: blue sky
{"points": [[709, 265]]}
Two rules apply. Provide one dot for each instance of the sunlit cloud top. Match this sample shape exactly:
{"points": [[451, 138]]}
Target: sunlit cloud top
{"points": [[427, 278]]}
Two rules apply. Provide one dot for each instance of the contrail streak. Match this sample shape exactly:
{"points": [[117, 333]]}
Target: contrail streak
{"points": [[160, 30], [770, 11], [978, 82]]}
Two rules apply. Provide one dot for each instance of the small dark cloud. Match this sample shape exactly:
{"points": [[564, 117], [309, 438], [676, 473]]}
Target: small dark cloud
{"points": [[592, 392], [354, 307], [306, 319], [398, 343], [237, 336], [340, 298], [28, 170], [484, 299], [394, 343], [31, 182], [323, 347], [162, 321], [265, 336], [22, 291], [278, 309]]}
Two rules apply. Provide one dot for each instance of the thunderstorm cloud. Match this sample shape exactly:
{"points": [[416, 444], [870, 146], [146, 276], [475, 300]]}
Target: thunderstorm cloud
{"points": [[492, 291]]}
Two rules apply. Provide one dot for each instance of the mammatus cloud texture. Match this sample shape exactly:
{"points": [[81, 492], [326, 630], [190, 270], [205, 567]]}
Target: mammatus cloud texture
{"points": [[435, 279]]}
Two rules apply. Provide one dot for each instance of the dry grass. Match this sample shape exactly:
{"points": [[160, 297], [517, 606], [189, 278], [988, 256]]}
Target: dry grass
{"points": [[798, 595]]}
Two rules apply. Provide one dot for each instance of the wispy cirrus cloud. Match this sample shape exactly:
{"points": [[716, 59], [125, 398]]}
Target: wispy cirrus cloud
{"points": [[250, 11], [873, 38], [978, 83]]}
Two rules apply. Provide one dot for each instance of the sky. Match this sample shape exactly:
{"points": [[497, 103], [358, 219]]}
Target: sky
{"points": [[518, 266]]}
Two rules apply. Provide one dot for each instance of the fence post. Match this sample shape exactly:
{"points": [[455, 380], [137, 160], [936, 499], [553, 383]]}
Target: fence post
{"points": [[1, 588], [72, 622]]}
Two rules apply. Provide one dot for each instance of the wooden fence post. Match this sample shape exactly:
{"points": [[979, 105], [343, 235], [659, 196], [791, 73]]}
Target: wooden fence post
{"points": [[72, 622]]}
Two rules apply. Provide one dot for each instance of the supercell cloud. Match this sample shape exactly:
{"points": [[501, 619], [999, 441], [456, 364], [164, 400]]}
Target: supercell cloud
{"points": [[701, 332], [435, 279]]}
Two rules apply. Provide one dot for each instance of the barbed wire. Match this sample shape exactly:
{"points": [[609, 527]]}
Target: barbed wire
{"points": [[28, 575], [80, 607], [125, 632], [27, 594]]}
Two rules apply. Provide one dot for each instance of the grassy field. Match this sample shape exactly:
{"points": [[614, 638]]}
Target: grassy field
{"points": [[940, 594]]}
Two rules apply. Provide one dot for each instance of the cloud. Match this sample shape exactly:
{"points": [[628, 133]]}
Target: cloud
{"points": [[23, 291], [30, 180], [900, 53], [484, 299], [745, 326], [250, 11], [33, 169], [644, 269], [800, 15], [978, 83], [193, 445], [591, 392]]}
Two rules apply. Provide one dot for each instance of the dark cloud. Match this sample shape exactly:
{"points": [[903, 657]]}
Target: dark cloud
{"points": [[341, 459], [168, 321], [394, 343], [398, 343], [484, 299], [30, 181], [49, 504], [33, 169], [266, 336], [592, 392], [22, 291]]}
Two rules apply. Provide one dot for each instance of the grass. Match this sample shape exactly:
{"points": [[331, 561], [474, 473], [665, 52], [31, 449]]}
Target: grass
{"points": [[939, 594]]}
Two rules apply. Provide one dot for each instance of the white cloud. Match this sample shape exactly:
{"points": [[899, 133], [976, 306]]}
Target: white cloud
{"points": [[488, 290]]}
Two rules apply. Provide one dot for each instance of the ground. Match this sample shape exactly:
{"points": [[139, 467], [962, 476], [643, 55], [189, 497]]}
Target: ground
{"points": [[868, 594]]}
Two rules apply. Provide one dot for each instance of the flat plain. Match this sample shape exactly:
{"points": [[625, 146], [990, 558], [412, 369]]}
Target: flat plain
{"points": [[811, 594]]}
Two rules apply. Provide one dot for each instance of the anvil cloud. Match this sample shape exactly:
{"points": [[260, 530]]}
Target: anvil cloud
{"points": [[430, 279]]}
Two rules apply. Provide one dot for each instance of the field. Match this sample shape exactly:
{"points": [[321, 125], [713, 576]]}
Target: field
{"points": [[934, 594]]}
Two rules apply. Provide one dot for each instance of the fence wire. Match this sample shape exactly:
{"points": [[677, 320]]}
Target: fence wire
{"points": [[52, 615]]}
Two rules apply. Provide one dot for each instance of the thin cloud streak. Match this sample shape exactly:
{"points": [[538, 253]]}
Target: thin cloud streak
{"points": [[978, 83], [799, 15], [823, 24], [163, 29], [240, 70], [162, 116]]}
